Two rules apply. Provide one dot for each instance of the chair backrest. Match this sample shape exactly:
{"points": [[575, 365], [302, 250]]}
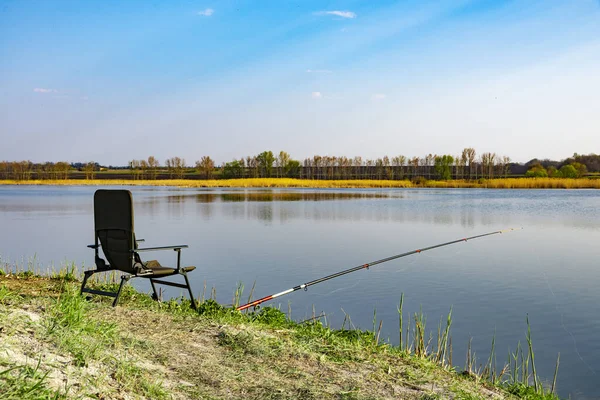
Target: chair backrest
{"points": [[113, 223]]}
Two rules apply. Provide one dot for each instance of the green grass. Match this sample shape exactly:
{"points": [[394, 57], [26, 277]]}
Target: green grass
{"points": [[256, 354], [72, 331], [69, 329], [24, 382]]}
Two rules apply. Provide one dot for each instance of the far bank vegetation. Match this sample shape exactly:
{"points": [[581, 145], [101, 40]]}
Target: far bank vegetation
{"points": [[464, 170]]}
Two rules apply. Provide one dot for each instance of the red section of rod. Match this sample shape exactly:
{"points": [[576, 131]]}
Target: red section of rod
{"points": [[255, 303]]}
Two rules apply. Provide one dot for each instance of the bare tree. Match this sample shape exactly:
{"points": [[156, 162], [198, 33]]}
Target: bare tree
{"points": [[179, 167], [175, 167], [415, 166], [206, 166], [506, 165], [252, 163], [21, 170], [136, 172], [464, 159], [280, 163], [4, 169], [90, 170], [153, 165], [170, 167], [62, 169], [357, 162], [469, 157], [144, 169]]}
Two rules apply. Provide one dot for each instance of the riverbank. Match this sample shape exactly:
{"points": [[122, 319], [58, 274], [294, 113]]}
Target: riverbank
{"points": [[56, 344], [501, 183]]}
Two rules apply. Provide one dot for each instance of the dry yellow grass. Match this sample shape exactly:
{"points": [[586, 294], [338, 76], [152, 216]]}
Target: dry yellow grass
{"points": [[542, 183], [502, 183], [246, 183]]}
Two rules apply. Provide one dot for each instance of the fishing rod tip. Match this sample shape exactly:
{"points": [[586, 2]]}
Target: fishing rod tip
{"points": [[510, 229]]}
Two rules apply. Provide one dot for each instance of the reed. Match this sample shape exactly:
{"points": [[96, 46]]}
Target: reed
{"points": [[518, 375], [400, 320], [536, 384], [541, 183], [374, 318], [442, 342], [419, 345], [470, 358], [552, 390], [239, 290], [489, 372], [216, 183]]}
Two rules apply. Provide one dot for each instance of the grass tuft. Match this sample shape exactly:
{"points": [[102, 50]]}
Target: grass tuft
{"points": [[24, 382]]}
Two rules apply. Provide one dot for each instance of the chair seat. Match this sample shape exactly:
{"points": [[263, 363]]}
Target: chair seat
{"points": [[159, 270]]}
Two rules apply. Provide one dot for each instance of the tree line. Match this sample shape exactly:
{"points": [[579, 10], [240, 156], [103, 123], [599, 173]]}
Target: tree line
{"points": [[467, 165], [25, 170]]}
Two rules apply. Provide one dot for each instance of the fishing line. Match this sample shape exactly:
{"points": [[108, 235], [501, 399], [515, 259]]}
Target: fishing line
{"points": [[338, 289], [391, 270]]}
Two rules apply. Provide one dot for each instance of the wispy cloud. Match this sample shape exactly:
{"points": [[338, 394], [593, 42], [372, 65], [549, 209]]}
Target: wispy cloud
{"points": [[337, 13], [378, 96], [319, 71], [44, 90], [206, 13], [316, 95]]}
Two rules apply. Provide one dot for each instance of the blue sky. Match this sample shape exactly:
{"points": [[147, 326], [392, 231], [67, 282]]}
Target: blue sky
{"points": [[115, 80]]}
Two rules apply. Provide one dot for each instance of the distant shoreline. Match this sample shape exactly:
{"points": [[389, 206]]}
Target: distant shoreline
{"points": [[500, 183]]}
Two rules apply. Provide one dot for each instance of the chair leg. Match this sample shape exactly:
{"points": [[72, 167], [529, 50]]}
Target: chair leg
{"points": [[155, 293], [86, 276], [124, 279], [187, 282]]}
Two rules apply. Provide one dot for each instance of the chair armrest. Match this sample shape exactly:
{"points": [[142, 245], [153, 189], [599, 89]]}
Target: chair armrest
{"points": [[178, 247]]}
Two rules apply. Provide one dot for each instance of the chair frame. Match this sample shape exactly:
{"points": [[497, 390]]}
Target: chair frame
{"points": [[102, 266]]}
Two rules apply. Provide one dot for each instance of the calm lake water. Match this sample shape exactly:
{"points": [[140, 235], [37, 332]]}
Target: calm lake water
{"points": [[282, 238]]}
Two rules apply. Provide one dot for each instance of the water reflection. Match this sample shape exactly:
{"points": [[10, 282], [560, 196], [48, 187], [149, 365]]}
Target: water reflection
{"points": [[270, 196], [417, 206], [263, 205]]}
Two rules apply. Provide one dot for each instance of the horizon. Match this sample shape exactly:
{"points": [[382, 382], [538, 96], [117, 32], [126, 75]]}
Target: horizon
{"points": [[115, 81]]}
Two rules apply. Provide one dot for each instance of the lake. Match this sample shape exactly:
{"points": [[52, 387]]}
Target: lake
{"points": [[280, 238]]}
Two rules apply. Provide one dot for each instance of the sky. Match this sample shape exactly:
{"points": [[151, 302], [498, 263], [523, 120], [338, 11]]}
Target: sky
{"points": [[111, 81]]}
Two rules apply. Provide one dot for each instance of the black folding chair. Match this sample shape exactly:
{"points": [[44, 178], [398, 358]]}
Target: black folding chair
{"points": [[114, 233]]}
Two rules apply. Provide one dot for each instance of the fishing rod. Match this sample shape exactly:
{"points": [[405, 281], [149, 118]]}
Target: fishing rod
{"points": [[363, 266]]}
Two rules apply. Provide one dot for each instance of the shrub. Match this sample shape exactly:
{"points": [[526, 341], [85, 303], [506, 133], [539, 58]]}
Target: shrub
{"points": [[537, 171], [568, 171]]}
